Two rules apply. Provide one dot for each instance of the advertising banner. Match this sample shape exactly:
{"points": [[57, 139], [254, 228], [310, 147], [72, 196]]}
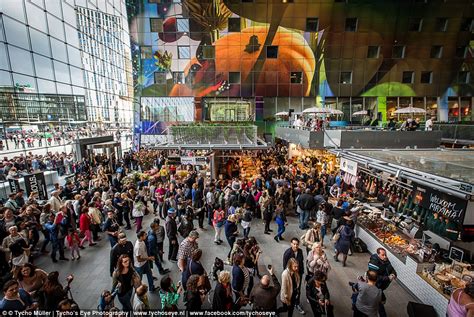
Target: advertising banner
{"points": [[348, 166], [36, 183]]}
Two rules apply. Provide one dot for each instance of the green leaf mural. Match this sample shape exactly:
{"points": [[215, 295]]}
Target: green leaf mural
{"points": [[392, 89]]}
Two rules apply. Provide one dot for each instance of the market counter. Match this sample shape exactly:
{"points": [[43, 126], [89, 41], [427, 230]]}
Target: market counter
{"points": [[407, 273]]}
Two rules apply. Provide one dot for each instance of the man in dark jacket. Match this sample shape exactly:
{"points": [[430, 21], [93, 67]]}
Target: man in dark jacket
{"points": [[153, 248], [306, 203], [122, 247], [295, 252], [380, 263], [264, 295], [172, 233]]}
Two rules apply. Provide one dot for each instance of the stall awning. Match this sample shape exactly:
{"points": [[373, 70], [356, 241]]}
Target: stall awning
{"points": [[451, 171]]}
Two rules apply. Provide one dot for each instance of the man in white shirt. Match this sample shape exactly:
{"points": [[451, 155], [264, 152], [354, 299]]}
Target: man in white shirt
{"points": [[298, 124], [210, 203], [429, 124], [55, 201], [141, 259]]}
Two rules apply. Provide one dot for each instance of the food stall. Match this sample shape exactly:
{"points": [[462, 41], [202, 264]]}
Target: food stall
{"points": [[418, 206], [304, 159]]}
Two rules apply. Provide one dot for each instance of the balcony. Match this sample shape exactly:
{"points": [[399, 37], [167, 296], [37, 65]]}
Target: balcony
{"points": [[360, 138]]}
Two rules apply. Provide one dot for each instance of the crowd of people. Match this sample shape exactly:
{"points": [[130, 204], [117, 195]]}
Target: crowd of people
{"points": [[111, 201]]}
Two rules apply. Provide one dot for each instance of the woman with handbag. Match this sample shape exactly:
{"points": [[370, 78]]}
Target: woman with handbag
{"points": [[240, 281], [318, 296], [193, 266], [344, 241], [290, 279], [128, 278], [310, 237], [222, 299]]}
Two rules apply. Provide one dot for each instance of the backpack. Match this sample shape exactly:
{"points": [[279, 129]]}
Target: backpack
{"points": [[359, 246]]}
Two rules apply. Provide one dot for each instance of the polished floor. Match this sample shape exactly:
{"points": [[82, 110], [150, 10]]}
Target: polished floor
{"points": [[92, 270]]}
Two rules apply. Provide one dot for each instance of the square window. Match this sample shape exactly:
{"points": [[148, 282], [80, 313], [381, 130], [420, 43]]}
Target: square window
{"points": [[208, 52], [463, 77], [160, 78], [146, 52], [233, 24], [182, 25], [272, 51], [373, 52], [415, 24], [441, 25], [408, 77], [178, 77], [346, 78], [287, 1], [426, 77], [312, 24], [461, 51], [234, 77], [351, 24], [296, 77], [184, 52], [436, 51], [467, 25], [398, 51], [156, 25]]}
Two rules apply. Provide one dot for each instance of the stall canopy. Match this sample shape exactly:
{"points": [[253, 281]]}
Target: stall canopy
{"points": [[451, 171]]}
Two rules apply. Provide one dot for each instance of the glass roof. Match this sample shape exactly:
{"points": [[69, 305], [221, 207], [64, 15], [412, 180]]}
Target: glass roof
{"points": [[454, 164]]}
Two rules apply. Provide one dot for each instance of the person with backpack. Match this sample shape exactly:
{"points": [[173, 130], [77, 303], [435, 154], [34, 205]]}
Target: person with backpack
{"points": [[343, 243]]}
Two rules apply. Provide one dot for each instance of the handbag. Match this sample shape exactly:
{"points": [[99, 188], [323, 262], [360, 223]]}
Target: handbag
{"points": [[337, 235]]}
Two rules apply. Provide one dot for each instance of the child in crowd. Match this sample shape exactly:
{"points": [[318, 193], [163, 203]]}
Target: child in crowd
{"points": [[73, 242]]}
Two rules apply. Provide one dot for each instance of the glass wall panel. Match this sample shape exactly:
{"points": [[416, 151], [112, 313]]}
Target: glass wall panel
{"points": [[59, 50], [13, 9], [22, 80], [21, 60], [46, 86], [3, 57], [72, 36], [40, 43], [466, 109], [16, 32], [56, 28], [62, 72], [5, 78], [54, 7], [431, 108], [453, 109], [64, 89], [36, 17], [43, 67], [77, 76]]}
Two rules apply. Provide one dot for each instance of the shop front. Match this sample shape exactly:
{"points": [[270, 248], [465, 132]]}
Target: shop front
{"points": [[305, 159], [423, 219]]}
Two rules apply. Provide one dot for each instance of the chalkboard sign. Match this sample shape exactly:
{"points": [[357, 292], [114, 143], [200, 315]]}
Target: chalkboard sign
{"points": [[456, 254]]}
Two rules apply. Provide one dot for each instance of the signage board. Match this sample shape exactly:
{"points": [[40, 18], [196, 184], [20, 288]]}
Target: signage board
{"points": [[36, 183], [14, 185], [348, 166]]}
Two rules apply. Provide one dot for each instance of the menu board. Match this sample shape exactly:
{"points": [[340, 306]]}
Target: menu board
{"points": [[446, 205]]}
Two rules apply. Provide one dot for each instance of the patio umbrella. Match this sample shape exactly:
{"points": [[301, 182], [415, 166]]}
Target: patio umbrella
{"points": [[410, 110], [337, 112], [360, 113], [317, 110], [281, 114]]}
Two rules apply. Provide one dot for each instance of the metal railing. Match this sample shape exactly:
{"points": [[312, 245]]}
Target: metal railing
{"points": [[213, 134]]}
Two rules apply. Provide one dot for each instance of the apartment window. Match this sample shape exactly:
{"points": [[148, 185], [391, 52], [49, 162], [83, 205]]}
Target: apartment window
{"points": [[208, 52], [415, 24], [156, 25], [467, 25], [312, 24], [426, 77], [436, 51], [233, 24], [272, 51], [160, 78], [184, 52], [464, 77], [398, 51], [182, 25], [178, 77], [461, 51], [296, 77], [234, 77], [373, 52], [408, 77], [441, 25], [287, 1], [345, 78], [351, 24]]}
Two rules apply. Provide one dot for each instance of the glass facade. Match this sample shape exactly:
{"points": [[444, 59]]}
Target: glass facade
{"points": [[63, 60]]}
